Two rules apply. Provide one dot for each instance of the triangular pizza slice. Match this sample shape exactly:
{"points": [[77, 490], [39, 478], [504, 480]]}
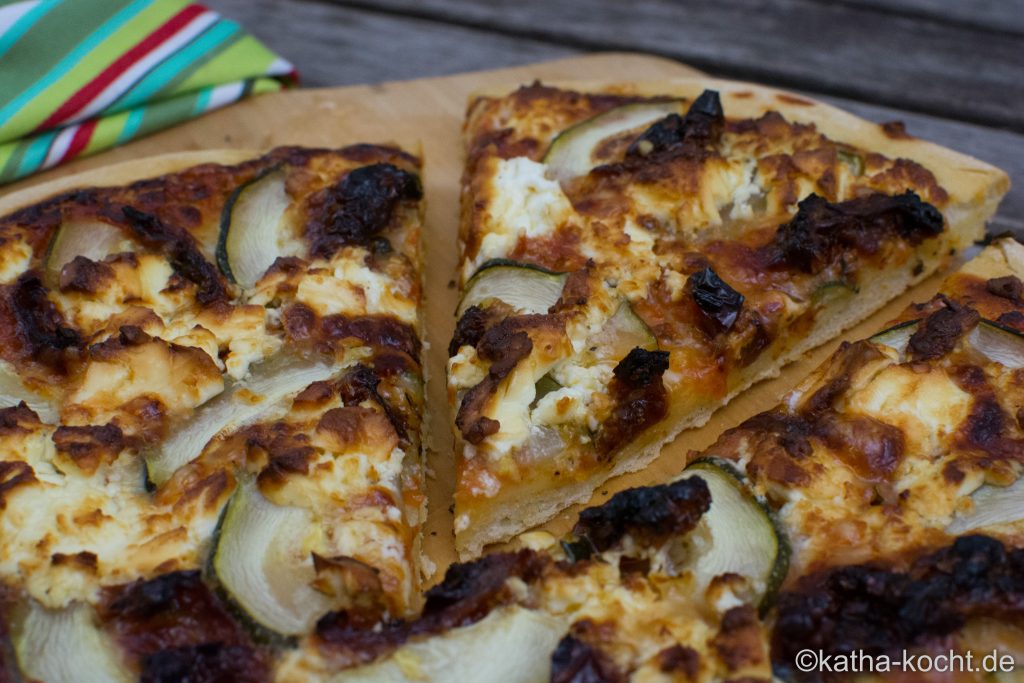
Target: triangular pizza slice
{"points": [[634, 257]]}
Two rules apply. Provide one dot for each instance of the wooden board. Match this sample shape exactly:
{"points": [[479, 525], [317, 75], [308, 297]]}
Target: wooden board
{"points": [[425, 113]]}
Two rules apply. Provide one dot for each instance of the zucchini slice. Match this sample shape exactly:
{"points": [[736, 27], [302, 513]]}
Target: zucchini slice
{"points": [[572, 153], [259, 563], [250, 227], [993, 505], [94, 240], [268, 386], [66, 646], [999, 344], [526, 288], [897, 336], [511, 645], [744, 537], [13, 392]]}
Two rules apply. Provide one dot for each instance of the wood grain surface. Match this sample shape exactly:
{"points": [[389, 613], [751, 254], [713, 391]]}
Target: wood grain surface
{"points": [[856, 54]]}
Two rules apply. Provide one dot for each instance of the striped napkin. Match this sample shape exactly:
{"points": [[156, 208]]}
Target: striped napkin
{"points": [[80, 76]]}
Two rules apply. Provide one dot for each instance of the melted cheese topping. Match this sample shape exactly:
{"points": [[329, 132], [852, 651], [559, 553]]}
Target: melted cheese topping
{"points": [[15, 257], [523, 203], [108, 514], [153, 353]]}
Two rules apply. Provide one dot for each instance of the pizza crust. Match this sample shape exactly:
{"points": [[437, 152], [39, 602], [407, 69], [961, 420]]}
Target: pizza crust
{"points": [[965, 178]]}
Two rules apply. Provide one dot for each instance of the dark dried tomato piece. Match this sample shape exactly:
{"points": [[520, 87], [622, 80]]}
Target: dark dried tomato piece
{"points": [[701, 126], [719, 302], [355, 209], [650, 513]]}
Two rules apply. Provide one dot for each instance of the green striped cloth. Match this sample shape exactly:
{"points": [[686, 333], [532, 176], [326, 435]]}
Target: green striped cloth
{"points": [[80, 76]]}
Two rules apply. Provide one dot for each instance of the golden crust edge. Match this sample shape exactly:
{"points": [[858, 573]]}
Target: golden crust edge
{"points": [[964, 177]]}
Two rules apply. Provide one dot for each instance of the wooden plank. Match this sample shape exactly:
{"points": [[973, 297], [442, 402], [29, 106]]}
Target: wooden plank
{"points": [[333, 45], [1001, 16], [842, 50]]}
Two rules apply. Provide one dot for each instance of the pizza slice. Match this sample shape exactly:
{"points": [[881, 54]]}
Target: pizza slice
{"points": [[661, 583], [210, 412], [633, 257], [902, 441]]}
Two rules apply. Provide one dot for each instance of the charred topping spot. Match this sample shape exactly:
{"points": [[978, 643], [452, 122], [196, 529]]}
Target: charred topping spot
{"points": [[1014, 319], [356, 208], [40, 324], [988, 428], [14, 473], [470, 590], [283, 461], [82, 560], [168, 619], [504, 345], [85, 276], [181, 250], [847, 359], [719, 302], [651, 514], [468, 593], [641, 368], [781, 440], [349, 423], [877, 610], [302, 324], [89, 446], [640, 398], [700, 127], [896, 130], [738, 641], [937, 334], [375, 330], [575, 661], [205, 663], [576, 291], [821, 230], [1008, 287], [469, 329], [19, 419], [474, 322], [679, 659], [315, 394], [873, 449], [360, 384]]}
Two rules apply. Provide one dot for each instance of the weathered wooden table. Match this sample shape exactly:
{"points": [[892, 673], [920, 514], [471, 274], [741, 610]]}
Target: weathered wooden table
{"points": [[952, 70]]}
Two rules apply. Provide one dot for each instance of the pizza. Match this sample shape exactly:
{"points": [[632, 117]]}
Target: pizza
{"points": [[633, 257], [868, 512], [903, 439], [210, 413], [894, 471], [660, 583]]}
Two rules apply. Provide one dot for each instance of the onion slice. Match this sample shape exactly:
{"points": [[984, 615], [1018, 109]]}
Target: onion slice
{"points": [[269, 385], [66, 646], [992, 505]]}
